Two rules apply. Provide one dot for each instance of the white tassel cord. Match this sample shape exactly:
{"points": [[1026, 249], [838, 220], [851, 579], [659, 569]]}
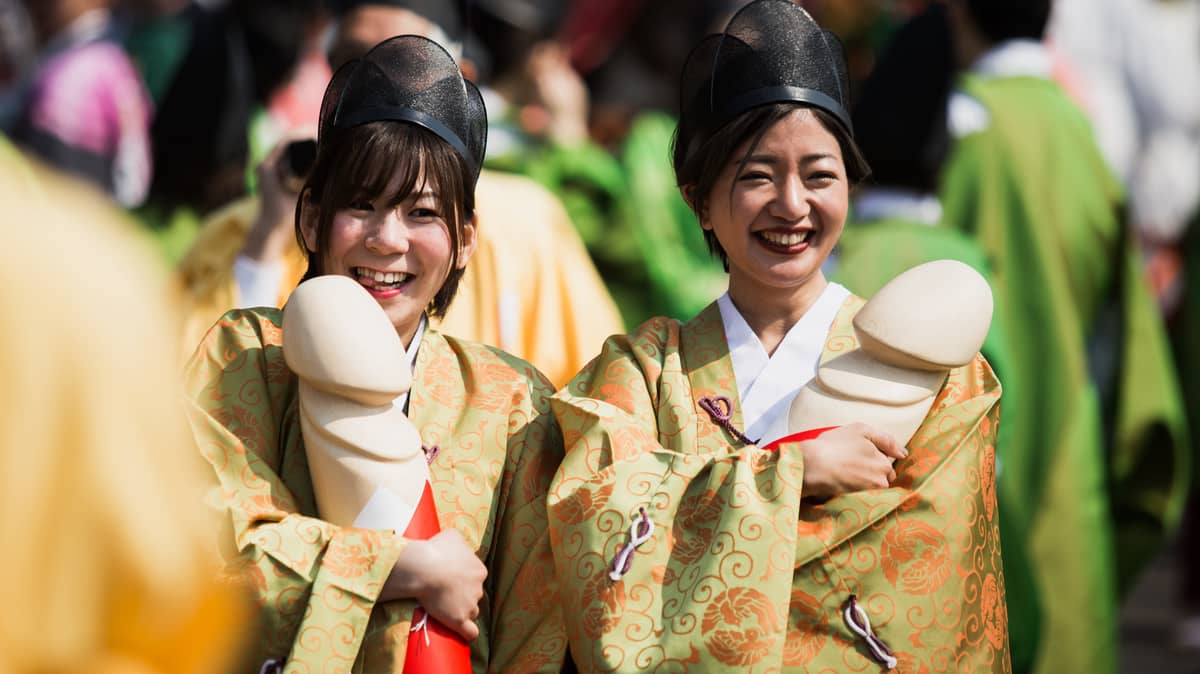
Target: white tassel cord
{"points": [[640, 531]]}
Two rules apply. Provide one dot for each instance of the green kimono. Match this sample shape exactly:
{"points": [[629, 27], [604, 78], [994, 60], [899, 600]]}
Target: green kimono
{"points": [[1097, 449], [318, 584], [738, 573]]}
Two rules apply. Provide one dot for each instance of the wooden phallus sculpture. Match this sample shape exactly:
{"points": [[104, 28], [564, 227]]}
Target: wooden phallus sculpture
{"points": [[368, 467]]}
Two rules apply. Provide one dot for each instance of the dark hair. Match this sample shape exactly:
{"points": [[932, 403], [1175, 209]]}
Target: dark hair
{"points": [[362, 160], [1000, 20], [907, 144], [696, 173]]}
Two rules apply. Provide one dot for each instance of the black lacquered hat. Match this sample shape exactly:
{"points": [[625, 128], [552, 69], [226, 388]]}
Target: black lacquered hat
{"points": [[771, 51], [408, 79]]}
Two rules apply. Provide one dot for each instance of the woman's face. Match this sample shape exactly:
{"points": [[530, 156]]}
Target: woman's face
{"points": [[400, 252], [780, 217]]}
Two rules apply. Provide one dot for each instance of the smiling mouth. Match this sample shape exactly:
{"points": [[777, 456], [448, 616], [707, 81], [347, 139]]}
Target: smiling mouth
{"points": [[786, 241], [381, 280]]}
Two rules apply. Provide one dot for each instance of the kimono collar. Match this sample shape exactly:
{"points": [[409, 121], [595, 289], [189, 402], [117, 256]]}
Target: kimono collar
{"points": [[885, 203], [411, 353], [1015, 58], [766, 384]]}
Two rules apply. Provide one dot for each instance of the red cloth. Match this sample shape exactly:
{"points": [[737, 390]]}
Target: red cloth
{"points": [[434, 649], [798, 437]]}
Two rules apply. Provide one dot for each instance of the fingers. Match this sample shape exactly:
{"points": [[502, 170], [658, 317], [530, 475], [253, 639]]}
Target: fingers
{"points": [[883, 441], [467, 629]]}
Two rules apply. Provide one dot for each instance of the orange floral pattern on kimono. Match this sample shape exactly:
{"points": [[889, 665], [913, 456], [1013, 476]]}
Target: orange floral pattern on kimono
{"points": [[318, 584], [741, 575]]}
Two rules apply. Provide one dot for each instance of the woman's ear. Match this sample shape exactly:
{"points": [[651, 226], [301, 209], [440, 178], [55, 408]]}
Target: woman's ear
{"points": [[468, 240], [309, 217], [699, 208]]}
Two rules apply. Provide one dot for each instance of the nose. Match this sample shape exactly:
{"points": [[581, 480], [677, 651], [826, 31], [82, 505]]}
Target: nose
{"points": [[388, 235], [791, 202]]}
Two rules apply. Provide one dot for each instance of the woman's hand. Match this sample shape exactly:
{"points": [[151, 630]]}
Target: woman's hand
{"points": [[445, 576], [273, 232], [850, 458]]}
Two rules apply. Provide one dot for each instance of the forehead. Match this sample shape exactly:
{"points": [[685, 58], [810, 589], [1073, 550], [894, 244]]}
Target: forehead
{"points": [[798, 134], [371, 24]]}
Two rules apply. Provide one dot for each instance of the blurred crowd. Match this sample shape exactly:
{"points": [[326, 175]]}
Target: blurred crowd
{"points": [[190, 124]]}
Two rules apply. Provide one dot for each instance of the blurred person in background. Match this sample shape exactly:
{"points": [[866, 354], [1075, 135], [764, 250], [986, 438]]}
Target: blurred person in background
{"points": [[81, 105], [1131, 61], [1097, 449], [587, 96], [17, 52], [230, 60], [112, 566], [530, 288]]}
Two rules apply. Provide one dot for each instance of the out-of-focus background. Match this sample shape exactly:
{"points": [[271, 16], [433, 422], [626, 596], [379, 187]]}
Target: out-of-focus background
{"points": [[183, 121]]}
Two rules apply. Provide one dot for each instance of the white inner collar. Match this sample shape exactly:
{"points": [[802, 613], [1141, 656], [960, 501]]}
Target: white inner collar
{"points": [[411, 353], [882, 203], [767, 383], [1015, 58]]}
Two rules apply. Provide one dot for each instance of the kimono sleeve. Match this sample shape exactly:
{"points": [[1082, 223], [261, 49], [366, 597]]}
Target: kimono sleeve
{"points": [[608, 412], [527, 633], [316, 583]]}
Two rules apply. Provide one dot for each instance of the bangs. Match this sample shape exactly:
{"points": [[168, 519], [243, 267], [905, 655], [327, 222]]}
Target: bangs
{"points": [[365, 167]]}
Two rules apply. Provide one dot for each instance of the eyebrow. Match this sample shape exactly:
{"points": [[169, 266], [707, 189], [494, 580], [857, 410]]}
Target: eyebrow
{"points": [[772, 159], [417, 196]]}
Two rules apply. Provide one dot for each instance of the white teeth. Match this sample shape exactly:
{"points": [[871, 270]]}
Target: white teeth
{"points": [[786, 238], [380, 276]]}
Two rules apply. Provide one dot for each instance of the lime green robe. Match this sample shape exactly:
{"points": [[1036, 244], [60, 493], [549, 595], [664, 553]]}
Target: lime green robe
{"points": [[318, 584], [1098, 492], [869, 255], [740, 575]]}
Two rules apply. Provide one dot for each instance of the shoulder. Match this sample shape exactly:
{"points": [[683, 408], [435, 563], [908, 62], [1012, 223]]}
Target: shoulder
{"points": [[242, 354], [241, 333], [626, 359], [221, 236], [485, 366], [519, 207], [650, 342], [975, 379], [497, 190]]}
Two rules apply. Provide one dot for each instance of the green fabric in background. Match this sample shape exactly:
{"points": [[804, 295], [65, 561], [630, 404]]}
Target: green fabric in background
{"points": [[1036, 195]]}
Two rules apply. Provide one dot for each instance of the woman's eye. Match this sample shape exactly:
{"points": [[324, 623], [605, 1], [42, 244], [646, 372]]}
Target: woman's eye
{"points": [[361, 205], [754, 176], [424, 213], [823, 178]]}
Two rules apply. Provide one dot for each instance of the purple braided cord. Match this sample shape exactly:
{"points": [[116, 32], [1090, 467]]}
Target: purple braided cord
{"points": [[720, 410]]}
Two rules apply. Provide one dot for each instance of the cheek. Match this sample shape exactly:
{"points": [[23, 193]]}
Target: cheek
{"points": [[433, 244], [344, 233]]}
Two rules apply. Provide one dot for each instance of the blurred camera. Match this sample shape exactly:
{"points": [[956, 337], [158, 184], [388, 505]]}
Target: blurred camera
{"points": [[296, 162]]}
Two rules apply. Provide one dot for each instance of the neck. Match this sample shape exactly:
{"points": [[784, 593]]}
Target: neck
{"points": [[771, 313], [408, 332]]}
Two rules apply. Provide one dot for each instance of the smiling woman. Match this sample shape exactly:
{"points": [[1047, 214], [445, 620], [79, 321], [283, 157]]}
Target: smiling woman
{"points": [[697, 534], [390, 203], [391, 206]]}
